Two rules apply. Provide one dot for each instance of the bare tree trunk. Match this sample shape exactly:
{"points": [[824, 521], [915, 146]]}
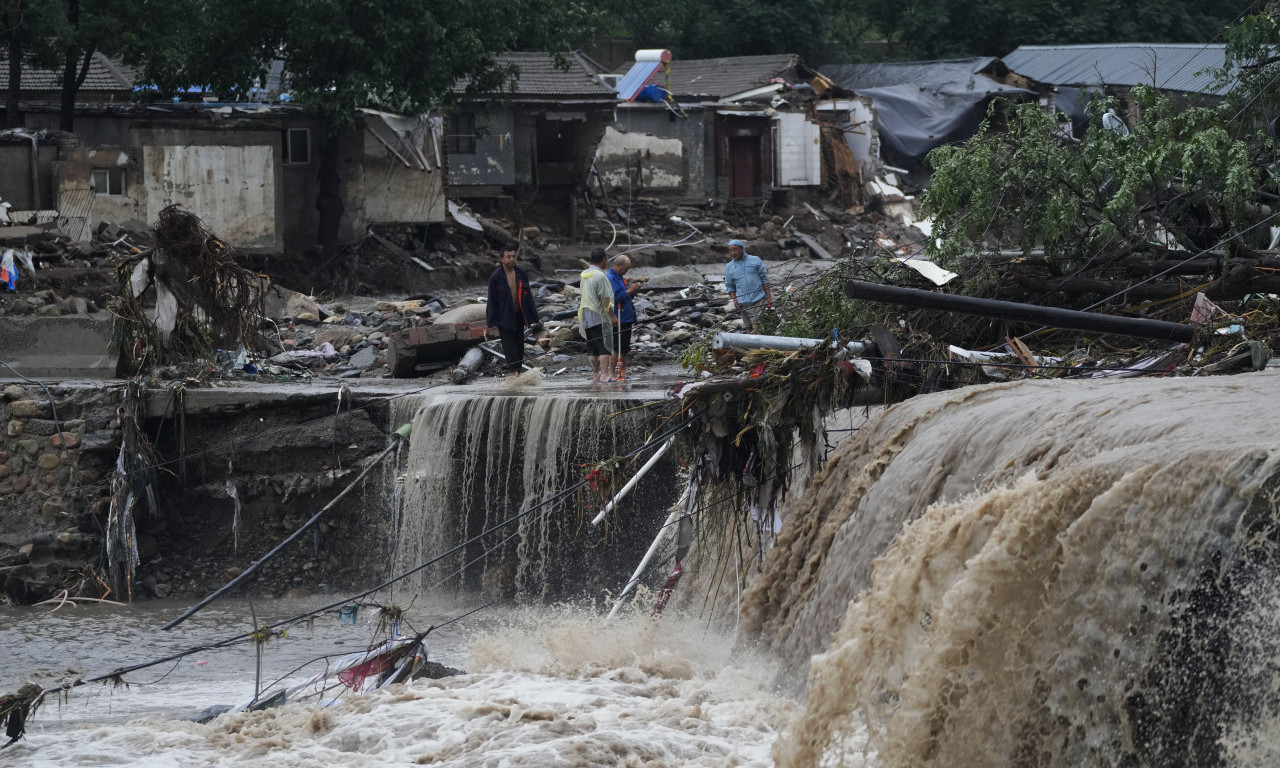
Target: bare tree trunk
{"points": [[13, 26], [329, 202], [74, 70], [72, 78]]}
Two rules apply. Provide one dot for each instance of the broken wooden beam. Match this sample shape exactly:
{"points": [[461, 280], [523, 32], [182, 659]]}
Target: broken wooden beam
{"points": [[1028, 313], [815, 247]]}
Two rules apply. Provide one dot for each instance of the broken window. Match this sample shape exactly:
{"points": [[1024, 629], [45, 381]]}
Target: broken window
{"points": [[107, 182], [297, 146], [461, 139]]}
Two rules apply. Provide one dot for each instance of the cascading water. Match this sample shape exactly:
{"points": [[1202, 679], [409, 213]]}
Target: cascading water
{"points": [[1039, 574], [475, 462]]}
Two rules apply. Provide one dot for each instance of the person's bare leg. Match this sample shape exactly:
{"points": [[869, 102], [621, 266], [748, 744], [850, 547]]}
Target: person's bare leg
{"points": [[605, 373]]}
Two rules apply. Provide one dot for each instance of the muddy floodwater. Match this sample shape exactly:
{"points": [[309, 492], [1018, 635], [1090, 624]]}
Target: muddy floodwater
{"points": [[543, 687]]}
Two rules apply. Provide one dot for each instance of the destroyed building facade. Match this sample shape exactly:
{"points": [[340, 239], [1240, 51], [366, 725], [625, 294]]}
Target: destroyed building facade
{"points": [[730, 128], [530, 145], [922, 105], [251, 169]]}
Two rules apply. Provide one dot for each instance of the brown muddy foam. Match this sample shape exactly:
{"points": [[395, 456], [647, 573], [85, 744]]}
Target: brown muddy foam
{"points": [[1044, 573]]}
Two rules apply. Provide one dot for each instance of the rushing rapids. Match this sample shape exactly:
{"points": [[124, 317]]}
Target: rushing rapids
{"points": [[1043, 574], [1048, 573]]}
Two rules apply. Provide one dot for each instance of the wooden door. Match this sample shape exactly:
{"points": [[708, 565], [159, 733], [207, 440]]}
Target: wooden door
{"points": [[744, 166]]}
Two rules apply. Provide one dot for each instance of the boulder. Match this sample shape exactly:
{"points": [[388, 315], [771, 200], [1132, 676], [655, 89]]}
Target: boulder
{"points": [[473, 314], [365, 358], [284, 304], [675, 278], [339, 336]]}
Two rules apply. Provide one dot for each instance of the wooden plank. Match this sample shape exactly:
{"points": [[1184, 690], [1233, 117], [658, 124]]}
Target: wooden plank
{"points": [[813, 245]]}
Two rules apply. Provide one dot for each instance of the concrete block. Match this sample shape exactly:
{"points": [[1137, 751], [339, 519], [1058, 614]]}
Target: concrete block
{"points": [[66, 347]]}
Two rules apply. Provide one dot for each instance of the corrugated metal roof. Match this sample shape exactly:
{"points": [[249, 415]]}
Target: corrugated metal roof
{"points": [[879, 75], [715, 78], [1170, 66], [104, 75], [540, 77]]}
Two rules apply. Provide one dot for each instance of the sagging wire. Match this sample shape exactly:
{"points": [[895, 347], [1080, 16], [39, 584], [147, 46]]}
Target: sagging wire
{"points": [[681, 243], [53, 407], [245, 637]]}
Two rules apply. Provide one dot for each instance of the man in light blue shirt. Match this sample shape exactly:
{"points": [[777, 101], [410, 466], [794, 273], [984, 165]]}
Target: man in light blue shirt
{"points": [[747, 282]]}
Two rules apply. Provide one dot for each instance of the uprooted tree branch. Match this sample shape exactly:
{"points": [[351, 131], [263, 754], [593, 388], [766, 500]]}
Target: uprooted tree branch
{"points": [[203, 300]]}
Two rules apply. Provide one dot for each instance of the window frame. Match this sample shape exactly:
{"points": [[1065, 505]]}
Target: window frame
{"points": [[287, 154], [108, 174], [459, 140]]}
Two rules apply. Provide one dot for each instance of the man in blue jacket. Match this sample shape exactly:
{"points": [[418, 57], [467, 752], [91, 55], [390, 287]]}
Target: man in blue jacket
{"points": [[510, 308], [747, 282], [626, 310]]}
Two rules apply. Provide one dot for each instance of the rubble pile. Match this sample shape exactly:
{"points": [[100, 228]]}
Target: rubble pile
{"points": [[58, 276], [674, 244]]}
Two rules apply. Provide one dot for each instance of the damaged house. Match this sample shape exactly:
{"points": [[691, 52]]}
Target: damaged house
{"points": [[1080, 73], [528, 148], [249, 170], [743, 127], [922, 105]]}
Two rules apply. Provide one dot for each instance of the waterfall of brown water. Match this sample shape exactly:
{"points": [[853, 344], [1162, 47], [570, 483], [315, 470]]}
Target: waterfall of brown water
{"points": [[475, 462], [1045, 573]]}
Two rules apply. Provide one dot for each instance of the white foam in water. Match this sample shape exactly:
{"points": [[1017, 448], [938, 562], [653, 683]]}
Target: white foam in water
{"points": [[1047, 573], [560, 690]]}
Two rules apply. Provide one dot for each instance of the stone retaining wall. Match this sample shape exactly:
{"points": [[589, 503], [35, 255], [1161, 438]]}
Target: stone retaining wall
{"points": [[56, 457]]}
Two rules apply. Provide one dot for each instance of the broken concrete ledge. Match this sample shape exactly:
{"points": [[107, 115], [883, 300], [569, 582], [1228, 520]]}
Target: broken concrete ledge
{"points": [[58, 347]]}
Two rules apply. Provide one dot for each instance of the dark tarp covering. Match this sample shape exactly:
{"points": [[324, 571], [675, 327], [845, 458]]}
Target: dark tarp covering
{"points": [[914, 119], [1074, 102], [923, 104]]}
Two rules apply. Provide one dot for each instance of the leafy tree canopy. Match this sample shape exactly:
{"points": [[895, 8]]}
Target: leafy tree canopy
{"points": [[939, 29], [1195, 171], [401, 55], [826, 31], [1027, 186]]}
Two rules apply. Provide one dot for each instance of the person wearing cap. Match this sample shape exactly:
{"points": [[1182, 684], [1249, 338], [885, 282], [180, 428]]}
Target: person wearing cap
{"points": [[509, 308], [747, 282]]}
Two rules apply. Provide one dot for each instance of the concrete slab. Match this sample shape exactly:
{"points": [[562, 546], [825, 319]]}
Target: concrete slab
{"points": [[236, 396], [58, 347]]}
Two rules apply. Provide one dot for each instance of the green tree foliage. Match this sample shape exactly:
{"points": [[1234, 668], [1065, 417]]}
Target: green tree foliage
{"points": [[1194, 171], [341, 55], [1027, 185], [700, 29], [1253, 64], [66, 34], [938, 29], [824, 31]]}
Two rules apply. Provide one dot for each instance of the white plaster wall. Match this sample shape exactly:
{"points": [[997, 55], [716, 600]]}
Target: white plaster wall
{"points": [[389, 192], [799, 151], [231, 188], [660, 160], [862, 138]]}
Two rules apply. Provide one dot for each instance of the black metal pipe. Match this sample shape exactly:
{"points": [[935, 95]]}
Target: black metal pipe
{"points": [[1007, 310]]}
